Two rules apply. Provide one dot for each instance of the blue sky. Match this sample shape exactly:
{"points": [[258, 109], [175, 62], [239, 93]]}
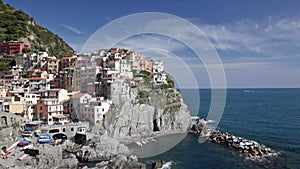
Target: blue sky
{"points": [[257, 41]]}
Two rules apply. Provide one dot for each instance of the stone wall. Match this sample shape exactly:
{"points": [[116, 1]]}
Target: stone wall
{"points": [[8, 119]]}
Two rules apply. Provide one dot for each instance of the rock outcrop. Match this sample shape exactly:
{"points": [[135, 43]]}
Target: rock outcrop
{"points": [[108, 152], [161, 113], [101, 149], [50, 157], [122, 161]]}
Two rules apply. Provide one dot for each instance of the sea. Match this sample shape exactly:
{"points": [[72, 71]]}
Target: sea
{"points": [[268, 116]]}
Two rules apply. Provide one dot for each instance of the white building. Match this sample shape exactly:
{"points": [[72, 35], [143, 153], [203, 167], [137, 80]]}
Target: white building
{"points": [[38, 83], [158, 66], [51, 111], [77, 104], [160, 78], [126, 69], [31, 100], [84, 76], [125, 66], [96, 109]]}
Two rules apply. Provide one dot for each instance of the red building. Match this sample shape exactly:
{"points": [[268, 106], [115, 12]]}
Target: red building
{"points": [[12, 48]]}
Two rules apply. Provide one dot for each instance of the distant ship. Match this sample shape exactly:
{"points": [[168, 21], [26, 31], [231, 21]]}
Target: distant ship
{"points": [[248, 91]]}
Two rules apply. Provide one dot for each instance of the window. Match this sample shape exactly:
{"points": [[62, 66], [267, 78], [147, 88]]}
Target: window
{"points": [[54, 131], [64, 129], [72, 129]]}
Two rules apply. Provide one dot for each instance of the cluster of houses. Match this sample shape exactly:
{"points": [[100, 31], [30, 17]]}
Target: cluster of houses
{"points": [[80, 87]]}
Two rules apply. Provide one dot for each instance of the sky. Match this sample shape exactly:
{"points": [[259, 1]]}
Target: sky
{"points": [[258, 42]]}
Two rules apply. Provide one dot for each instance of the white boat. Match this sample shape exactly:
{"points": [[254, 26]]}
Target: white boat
{"points": [[13, 146], [167, 165], [26, 147], [139, 144], [23, 157], [248, 91]]}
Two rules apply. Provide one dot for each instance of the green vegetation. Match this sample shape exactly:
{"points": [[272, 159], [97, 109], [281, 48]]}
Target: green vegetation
{"points": [[172, 109], [147, 79], [143, 97], [145, 73], [5, 64], [16, 25]]}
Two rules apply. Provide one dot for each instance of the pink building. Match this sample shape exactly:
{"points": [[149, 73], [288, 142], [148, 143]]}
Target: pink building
{"points": [[148, 65], [12, 48], [51, 111]]}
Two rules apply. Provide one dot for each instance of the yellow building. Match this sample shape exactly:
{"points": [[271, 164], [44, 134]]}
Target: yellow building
{"points": [[17, 104], [53, 65]]}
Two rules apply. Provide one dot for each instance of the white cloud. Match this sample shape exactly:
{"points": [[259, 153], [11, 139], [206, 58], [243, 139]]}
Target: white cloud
{"points": [[269, 37], [262, 49], [75, 30]]}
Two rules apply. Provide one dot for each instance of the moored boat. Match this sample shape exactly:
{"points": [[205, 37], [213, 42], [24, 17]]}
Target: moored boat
{"points": [[44, 138]]}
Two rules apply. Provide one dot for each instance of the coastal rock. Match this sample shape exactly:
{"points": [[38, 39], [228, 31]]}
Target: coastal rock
{"points": [[121, 161], [50, 158], [125, 163], [251, 149], [101, 148], [158, 164], [141, 120]]}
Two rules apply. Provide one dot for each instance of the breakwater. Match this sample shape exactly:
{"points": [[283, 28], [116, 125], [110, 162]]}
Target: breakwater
{"points": [[251, 149]]}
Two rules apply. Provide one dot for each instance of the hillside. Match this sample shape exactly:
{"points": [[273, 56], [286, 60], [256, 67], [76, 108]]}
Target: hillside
{"points": [[16, 25]]}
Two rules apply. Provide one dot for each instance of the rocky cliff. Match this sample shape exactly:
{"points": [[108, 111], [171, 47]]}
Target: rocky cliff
{"points": [[153, 111]]}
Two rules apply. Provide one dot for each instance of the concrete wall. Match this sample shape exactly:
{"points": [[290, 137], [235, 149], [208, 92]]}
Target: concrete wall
{"points": [[7, 119]]}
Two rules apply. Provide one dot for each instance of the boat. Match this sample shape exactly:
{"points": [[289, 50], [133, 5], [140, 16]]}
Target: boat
{"points": [[24, 143], [13, 146], [248, 91], [37, 133], [167, 165], [23, 157], [139, 144], [26, 147], [28, 132], [44, 138]]}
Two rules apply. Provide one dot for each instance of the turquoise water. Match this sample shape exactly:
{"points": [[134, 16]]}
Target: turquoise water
{"points": [[269, 116]]}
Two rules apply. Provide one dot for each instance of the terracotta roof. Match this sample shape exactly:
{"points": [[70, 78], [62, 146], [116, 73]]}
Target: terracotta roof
{"points": [[66, 57], [39, 70], [9, 94], [78, 95], [37, 78]]}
